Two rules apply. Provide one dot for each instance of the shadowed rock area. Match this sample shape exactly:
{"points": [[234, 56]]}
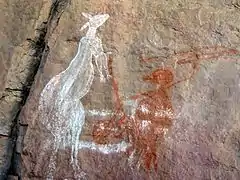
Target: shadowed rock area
{"points": [[173, 94]]}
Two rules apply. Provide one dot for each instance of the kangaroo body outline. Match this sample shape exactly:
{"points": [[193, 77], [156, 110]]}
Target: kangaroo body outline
{"points": [[60, 109]]}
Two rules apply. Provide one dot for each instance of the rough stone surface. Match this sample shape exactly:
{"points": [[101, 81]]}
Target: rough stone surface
{"points": [[6, 146], [18, 55], [143, 36], [12, 177], [21, 31]]}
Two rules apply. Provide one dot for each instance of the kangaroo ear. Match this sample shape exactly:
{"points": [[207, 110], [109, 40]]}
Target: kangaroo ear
{"points": [[86, 15], [84, 26]]}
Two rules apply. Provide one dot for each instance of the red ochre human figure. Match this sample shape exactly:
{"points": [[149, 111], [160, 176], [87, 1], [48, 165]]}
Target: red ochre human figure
{"points": [[152, 117], [154, 113]]}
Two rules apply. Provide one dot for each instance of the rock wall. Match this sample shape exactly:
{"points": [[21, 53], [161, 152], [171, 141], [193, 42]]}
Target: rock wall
{"points": [[175, 74], [24, 35]]}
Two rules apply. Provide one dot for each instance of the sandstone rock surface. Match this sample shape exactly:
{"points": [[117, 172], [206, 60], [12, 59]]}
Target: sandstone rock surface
{"points": [[152, 43], [21, 50]]}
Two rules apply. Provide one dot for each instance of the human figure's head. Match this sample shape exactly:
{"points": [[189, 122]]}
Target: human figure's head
{"points": [[160, 76]]}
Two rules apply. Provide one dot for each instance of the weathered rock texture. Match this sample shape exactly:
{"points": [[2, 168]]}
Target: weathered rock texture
{"points": [[22, 43], [198, 38]]}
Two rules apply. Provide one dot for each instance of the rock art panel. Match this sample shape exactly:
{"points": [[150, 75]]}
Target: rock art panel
{"points": [[159, 115], [153, 113], [151, 117], [60, 108]]}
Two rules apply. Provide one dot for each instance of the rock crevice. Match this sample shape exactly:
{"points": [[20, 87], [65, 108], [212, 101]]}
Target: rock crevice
{"points": [[27, 58]]}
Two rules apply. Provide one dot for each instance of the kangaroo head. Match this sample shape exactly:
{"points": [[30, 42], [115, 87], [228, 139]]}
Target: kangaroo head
{"points": [[95, 21]]}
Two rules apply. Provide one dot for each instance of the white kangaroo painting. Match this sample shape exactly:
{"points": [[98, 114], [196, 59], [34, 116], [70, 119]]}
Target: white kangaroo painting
{"points": [[61, 110]]}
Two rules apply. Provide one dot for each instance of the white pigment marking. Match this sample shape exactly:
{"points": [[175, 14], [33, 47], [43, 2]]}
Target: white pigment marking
{"points": [[145, 124], [144, 109], [100, 113], [105, 149], [60, 107], [165, 113]]}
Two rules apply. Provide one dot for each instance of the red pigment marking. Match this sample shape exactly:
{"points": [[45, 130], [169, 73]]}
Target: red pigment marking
{"points": [[143, 137], [194, 57], [207, 53], [201, 54], [154, 112], [149, 59], [112, 129], [196, 54], [155, 107]]}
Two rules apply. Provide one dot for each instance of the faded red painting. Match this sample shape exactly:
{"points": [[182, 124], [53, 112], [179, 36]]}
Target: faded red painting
{"points": [[154, 115]]}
